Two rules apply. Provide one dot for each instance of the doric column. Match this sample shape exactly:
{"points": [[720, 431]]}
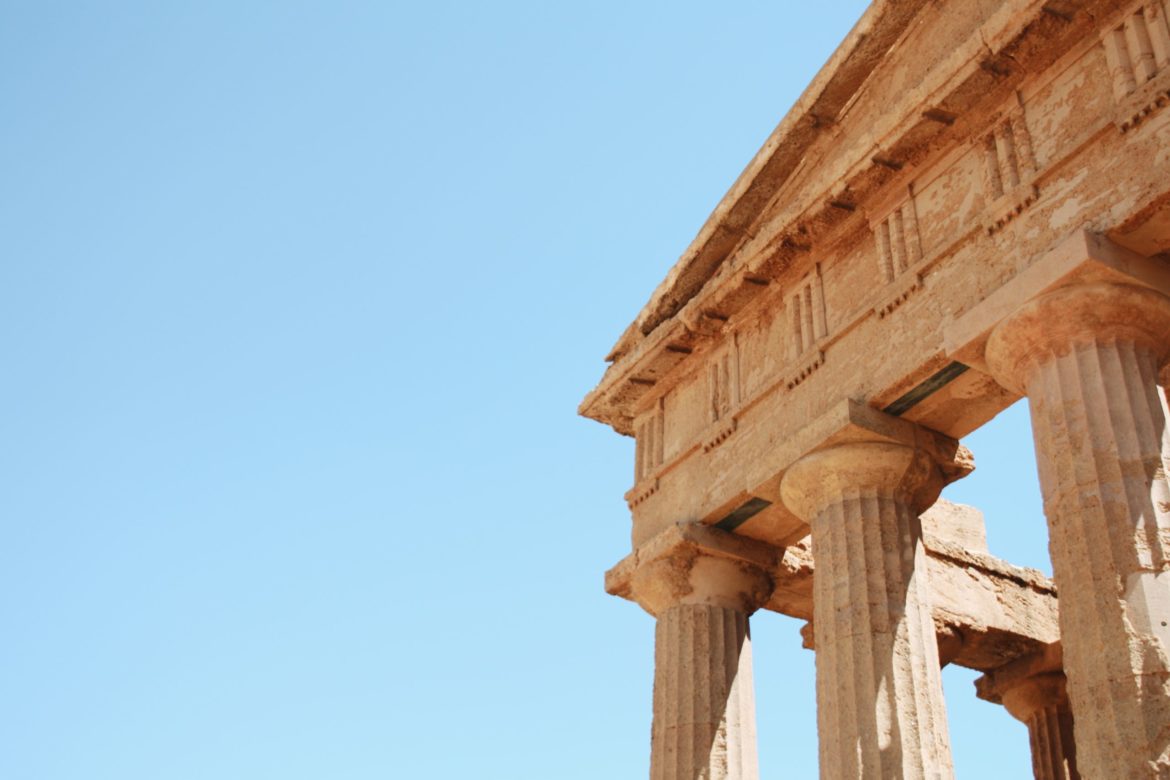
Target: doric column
{"points": [[702, 585], [1087, 356], [1033, 690], [1041, 703], [880, 710]]}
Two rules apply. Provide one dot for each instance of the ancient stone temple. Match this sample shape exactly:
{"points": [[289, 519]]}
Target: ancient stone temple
{"points": [[970, 204]]}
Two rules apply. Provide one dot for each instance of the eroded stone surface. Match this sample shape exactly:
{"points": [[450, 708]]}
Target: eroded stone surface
{"points": [[1034, 690], [880, 708], [702, 585], [704, 707], [1088, 358], [947, 524]]}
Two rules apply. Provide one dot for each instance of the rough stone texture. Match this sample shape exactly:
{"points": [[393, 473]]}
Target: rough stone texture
{"points": [[952, 164], [1034, 691], [986, 611], [704, 710], [947, 524], [702, 585], [991, 611], [1088, 358], [880, 708], [1042, 704]]}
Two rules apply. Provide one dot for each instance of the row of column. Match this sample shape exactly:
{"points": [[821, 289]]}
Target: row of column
{"points": [[1087, 357]]}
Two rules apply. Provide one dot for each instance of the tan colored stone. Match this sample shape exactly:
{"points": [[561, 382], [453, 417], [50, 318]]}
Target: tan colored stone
{"points": [[1034, 690], [704, 706], [880, 709], [702, 585], [946, 523], [986, 612], [1088, 358], [1041, 703]]}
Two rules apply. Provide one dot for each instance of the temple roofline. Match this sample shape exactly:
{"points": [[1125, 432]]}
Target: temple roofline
{"points": [[779, 213], [815, 111]]}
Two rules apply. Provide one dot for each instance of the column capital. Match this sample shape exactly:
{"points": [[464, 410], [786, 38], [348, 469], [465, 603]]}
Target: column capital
{"points": [[1039, 692], [904, 471], [1034, 691], [1027, 684], [1057, 321], [694, 564]]}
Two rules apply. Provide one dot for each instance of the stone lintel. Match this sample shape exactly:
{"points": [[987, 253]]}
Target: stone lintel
{"points": [[847, 422], [1082, 258], [1001, 611]]}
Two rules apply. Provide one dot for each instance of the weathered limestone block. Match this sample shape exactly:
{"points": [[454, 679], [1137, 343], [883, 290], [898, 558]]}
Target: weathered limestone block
{"points": [[1088, 357], [1000, 611], [702, 584], [947, 523], [880, 709]]}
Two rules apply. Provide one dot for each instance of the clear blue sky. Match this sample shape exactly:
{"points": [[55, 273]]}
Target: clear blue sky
{"points": [[297, 302]]}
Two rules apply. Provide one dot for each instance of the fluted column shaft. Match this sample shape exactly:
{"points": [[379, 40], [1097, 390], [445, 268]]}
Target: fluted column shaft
{"points": [[702, 585], [880, 710], [704, 705], [1050, 735], [1088, 357]]}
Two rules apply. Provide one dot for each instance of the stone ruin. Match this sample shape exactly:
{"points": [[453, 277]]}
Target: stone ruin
{"points": [[970, 204]]}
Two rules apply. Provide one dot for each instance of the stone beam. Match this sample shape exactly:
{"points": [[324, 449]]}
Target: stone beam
{"points": [[1028, 159]]}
